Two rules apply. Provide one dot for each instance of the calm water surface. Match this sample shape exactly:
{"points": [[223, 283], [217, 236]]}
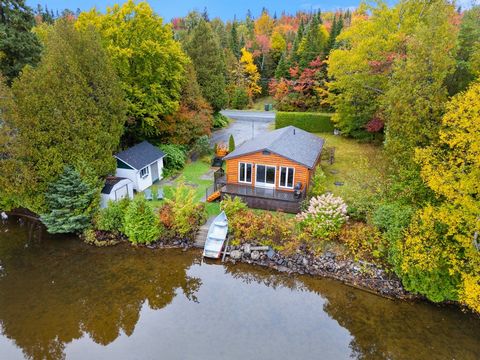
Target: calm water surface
{"points": [[62, 299]]}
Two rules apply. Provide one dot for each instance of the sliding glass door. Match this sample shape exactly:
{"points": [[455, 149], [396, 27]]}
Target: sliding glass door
{"points": [[265, 176]]}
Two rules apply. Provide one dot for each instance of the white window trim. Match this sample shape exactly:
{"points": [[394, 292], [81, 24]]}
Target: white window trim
{"points": [[286, 178], [251, 172], [147, 172]]}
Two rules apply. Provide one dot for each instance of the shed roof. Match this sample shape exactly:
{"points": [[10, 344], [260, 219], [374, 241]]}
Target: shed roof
{"points": [[110, 183], [290, 142], [140, 155]]}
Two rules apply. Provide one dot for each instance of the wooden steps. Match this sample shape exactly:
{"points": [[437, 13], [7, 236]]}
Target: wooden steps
{"points": [[213, 196]]}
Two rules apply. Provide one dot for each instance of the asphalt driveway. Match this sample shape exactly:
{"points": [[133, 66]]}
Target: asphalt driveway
{"points": [[245, 125]]}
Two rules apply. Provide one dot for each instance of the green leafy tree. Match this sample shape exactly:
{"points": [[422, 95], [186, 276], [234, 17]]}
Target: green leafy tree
{"points": [[416, 98], [150, 63], [204, 49], [19, 46], [141, 224], [467, 57], [194, 117], [67, 111], [441, 257], [70, 204]]}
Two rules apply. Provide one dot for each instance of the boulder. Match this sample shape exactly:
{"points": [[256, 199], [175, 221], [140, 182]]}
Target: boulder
{"points": [[236, 254], [255, 255]]}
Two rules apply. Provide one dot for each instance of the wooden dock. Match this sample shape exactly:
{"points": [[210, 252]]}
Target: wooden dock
{"points": [[202, 234]]}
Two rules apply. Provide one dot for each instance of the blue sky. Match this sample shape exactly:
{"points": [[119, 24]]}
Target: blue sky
{"points": [[225, 9]]}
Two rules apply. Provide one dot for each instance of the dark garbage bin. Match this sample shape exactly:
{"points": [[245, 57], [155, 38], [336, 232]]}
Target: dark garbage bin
{"points": [[267, 107]]}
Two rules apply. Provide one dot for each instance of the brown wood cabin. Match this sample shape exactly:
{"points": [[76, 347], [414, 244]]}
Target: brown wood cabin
{"points": [[273, 171]]}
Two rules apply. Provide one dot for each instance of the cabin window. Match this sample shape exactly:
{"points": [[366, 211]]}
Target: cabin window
{"points": [[286, 177], [245, 173], [144, 172]]}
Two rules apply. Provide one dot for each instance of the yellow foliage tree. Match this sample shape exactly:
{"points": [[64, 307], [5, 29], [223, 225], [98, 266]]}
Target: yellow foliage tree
{"points": [[250, 74], [444, 239]]}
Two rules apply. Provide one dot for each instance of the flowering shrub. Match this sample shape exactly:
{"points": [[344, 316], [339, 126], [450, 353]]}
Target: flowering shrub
{"points": [[324, 216]]}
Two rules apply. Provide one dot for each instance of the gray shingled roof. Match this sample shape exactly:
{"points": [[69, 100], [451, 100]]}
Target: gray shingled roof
{"points": [[140, 155], [290, 142]]}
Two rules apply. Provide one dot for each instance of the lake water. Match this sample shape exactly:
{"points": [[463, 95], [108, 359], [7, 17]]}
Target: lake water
{"points": [[60, 298]]}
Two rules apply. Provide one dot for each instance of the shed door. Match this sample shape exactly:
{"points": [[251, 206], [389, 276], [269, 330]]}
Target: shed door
{"points": [[154, 171], [121, 193]]}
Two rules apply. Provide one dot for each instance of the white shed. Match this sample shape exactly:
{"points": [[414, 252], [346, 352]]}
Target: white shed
{"points": [[142, 163], [115, 189]]}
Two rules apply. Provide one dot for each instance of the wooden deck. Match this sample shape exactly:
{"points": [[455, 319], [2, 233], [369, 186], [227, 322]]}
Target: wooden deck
{"points": [[267, 199]]}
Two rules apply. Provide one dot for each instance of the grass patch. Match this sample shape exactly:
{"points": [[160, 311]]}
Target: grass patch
{"points": [[259, 104], [361, 167]]}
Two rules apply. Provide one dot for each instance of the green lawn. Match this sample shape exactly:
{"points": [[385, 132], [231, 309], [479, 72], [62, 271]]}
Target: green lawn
{"points": [[359, 166]]}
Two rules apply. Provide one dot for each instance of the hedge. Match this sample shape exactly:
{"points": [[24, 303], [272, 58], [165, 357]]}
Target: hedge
{"points": [[311, 122]]}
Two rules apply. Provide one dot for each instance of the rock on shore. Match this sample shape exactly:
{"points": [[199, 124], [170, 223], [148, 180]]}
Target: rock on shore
{"points": [[359, 274]]}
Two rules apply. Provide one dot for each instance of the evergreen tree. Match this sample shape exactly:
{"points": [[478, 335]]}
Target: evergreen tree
{"points": [[19, 46], [67, 110], [313, 43], [69, 204], [234, 42], [231, 144], [282, 68], [296, 43], [207, 57]]}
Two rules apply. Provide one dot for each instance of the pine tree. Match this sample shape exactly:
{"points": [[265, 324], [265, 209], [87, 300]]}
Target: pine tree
{"points": [[313, 43], [207, 57], [69, 204], [18, 45], [234, 42], [282, 68], [296, 43]]}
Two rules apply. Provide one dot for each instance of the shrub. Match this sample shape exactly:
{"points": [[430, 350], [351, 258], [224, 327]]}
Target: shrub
{"points": [[324, 217], [201, 146], [231, 143], [232, 205], [112, 217], [364, 241], [175, 158], [262, 228], [220, 121], [181, 215], [393, 219], [240, 98], [141, 224], [319, 183], [312, 122]]}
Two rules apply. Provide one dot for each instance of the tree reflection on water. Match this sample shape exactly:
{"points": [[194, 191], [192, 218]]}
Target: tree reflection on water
{"points": [[58, 290]]}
